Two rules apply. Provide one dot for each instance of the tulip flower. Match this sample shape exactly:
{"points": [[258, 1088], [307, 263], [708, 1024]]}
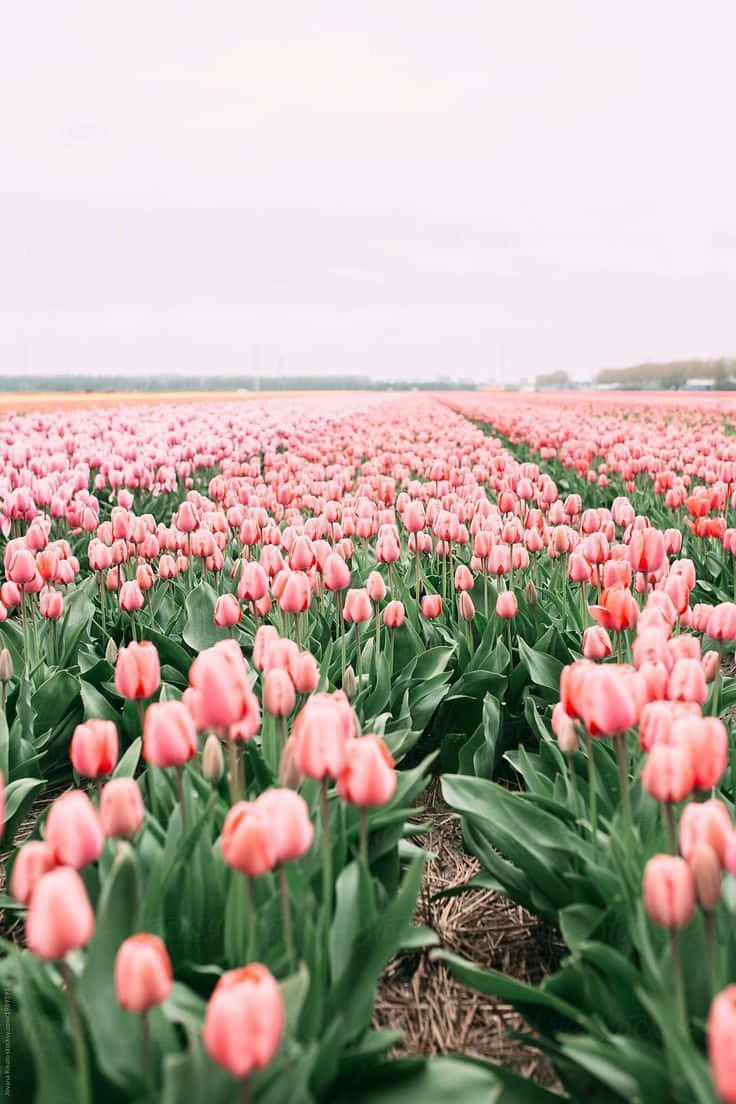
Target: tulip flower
{"points": [[244, 1021], [94, 748]]}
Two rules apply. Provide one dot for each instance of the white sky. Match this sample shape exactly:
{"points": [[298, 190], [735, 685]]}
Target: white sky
{"points": [[405, 188]]}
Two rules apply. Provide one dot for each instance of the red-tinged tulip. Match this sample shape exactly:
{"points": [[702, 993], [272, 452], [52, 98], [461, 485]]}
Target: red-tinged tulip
{"points": [[247, 840], [264, 638], [506, 605], [367, 778], [687, 682], [121, 808], [564, 729], [617, 609], [305, 673], [465, 606], [578, 569], [394, 615], [20, 566], [646, 550], [137, 671], [290, 828], [707, 822], [296, 594], [73, 830], [227, 611], [596, 643], [708, 740], [60, 918], [431, 606], [143, 976], [357, 608], [279, 694], [669, 773], [51, 603], [707, 876], [253, 584], [94, 748], [169, 734], [322, 730], [244, 1021], [657, 719], [711, 663], [721, 624], [612, 700], [33, 860], [375, 587], [722, 1044], [131, 596], [220, 675], [335, 572], [463, 578], [669, 891], [573, 680], [185, 518]]}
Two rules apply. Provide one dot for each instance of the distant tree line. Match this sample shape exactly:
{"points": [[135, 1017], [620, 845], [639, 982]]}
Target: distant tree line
{"points": [[721, 370], [159, 382]]}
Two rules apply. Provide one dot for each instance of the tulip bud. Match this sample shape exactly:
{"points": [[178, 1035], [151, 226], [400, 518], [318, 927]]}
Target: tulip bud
{"points": [[111, 652], [6, 666], [707, 876], [349, 682], [213, 763], [531, 593]]}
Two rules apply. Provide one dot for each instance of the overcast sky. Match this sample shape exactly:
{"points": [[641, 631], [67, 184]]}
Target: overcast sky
{"points": [[397, 188]]}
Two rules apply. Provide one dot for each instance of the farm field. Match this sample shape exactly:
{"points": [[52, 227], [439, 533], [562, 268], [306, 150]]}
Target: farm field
{"points": [[369, 747]]}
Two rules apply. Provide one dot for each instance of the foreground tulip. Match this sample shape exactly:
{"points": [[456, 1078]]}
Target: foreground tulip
{"points": [[143, 976], [227, 611], [596, 643], [722, 1044], [33, 860], [291, 833], [60, 917], [121, 808], [247, 842], [368, 779], [169, 735], [244, 1021], [220, 675], [94, 748], [431, 606], [137, 671], [73, 830]]}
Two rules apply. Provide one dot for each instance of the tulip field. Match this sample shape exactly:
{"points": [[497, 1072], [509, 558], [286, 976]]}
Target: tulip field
{"points": [[241, 640]]}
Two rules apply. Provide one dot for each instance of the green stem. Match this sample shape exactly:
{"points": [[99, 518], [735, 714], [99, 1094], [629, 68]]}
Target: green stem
{"points": [[669, 815], [358, 657], [363, 820], [326, 857], [182, 796], [250, 916], [286, 918], [622, 762], [592, 796], [80, 1049], [232, 758], [146, 1046], [709, 918], [679, 983]]}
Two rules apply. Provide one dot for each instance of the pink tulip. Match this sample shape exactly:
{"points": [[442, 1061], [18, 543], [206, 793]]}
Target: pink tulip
{"points": [[73, 830], [143, 976], [60, 918], [244, 1021], [94, 748], [367, 777], [121, 808]]}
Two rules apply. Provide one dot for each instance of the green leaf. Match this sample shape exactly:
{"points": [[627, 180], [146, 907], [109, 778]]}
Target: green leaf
{"points": [[79, 610], [544, 670], [18, 796], [96, 705], [128, 763], [53, 699], [432, 662], [200, 630], [52, 1049]]}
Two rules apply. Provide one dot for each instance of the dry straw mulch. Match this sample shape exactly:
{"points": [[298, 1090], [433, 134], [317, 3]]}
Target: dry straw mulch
{"points": [[420, 998]]}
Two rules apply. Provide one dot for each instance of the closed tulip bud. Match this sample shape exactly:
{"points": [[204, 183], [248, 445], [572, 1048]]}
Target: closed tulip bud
{"points": [[6, 666], [73, 830], [668, 773], [506, 605], [465, 606], [227, 611], [244, 1021], [296, 594], [711, 663], [305, 674], [431, 606], [169, 734], [564, 729], [394, 615], [247, 842], [213, 762], [357, 608], [143, 976], [51, 603], [60, 918], [137, 671], [707, 876], [722, 1044], [335, 572], [669, 891], [32, 861], [291, 829], [612, 700], [289, 774], [220, 675], [94, 748], [531, 593], [264, 638], [596, 643], [349, 682], [322, 730], [111, 652], [463, 578], [279, 695], [375, 587], [367, 778], [121, 808], [708, 823], [131, 596]]}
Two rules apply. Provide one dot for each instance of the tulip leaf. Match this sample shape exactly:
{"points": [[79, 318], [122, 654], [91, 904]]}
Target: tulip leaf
{"points": [[200, 630]]}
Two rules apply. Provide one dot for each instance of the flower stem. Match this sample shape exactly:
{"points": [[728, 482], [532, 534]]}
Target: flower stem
{"points": [[622, 762], [80, 1049], [326, 857], [679, 983], [363, 815], [592, 795], [286, 918]]}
